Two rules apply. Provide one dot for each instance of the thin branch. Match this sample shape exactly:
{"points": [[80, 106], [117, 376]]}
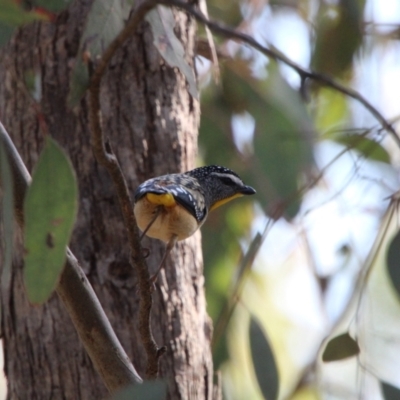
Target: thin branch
{"points": [[81, 302], [325, 80], [107, 159]]}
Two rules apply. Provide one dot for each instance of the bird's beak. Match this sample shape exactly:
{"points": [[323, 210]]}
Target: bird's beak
{"points": [[247, 190]]}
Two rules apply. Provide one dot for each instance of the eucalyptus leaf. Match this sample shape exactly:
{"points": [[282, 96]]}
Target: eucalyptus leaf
{"points": [[53, 5], [283, 135], [263, 361], [50, 209], [340, 347], [162, 22], [105, 21], [367, 147], [393, 261], [12, 14], [389, 392], [338, 36]]}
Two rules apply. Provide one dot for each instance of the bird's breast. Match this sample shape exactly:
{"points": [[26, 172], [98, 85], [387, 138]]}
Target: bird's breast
{"points": [[173, 219]]}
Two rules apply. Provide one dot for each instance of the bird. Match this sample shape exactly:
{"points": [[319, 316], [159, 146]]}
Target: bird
{"points": [[173, 207]]}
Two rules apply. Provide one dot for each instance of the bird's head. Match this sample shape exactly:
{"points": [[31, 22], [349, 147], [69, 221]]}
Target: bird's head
{"points": [[220, 185]]}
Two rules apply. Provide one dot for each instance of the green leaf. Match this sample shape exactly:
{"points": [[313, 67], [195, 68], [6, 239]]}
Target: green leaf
{"points": [[283, 139], [78, 84], [105, 21], [390, 392], [263, 362], [339, 34], [162, 22], [228, 12], [340, 347], [214, 132], [150, 390], [53, 5], [7, 209], [50, 210], [367, 147], [393, 262], [338, 106], [284, 133], [12, 14]]}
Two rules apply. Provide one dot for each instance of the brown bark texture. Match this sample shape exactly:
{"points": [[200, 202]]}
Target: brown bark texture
{"points": [[151, 122]]}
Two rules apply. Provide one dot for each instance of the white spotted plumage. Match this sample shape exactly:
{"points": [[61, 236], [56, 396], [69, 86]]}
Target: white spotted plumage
{"points": [[172, 207]]}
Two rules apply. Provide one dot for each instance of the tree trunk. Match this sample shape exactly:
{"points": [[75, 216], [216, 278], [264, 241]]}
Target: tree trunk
{"points": [[151, 122]]}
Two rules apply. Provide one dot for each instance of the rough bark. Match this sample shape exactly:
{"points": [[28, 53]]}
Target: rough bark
{"points": [[151, 121]]}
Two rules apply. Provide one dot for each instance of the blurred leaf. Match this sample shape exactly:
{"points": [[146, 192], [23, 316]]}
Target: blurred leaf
{"points": [[263, 361], [236, 292], [393, 262], [50, 209], [215, 135], [239, 217], [389, 392], [331, 109], [338, 36], [283, 141], [162, 22], [340, 347], [283, 133], [150, 390], [240, 88], [53, 5], [367, 147], [283, 138], [7, 209], [12, 14], [227, 11], [219, 271], [306, 393], [78, 84], [105, 21]]}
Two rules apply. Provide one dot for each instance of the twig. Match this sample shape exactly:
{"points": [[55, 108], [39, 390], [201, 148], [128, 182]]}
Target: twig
{"points": [[106, 158], [81, 302], [231, 33]]}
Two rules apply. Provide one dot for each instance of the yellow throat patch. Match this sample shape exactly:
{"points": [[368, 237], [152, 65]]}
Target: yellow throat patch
{"points": [[166, 199], [223, 201]]}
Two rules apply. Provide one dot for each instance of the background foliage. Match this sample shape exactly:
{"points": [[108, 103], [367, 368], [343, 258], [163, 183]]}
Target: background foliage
{"points": [[324, 170]]}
